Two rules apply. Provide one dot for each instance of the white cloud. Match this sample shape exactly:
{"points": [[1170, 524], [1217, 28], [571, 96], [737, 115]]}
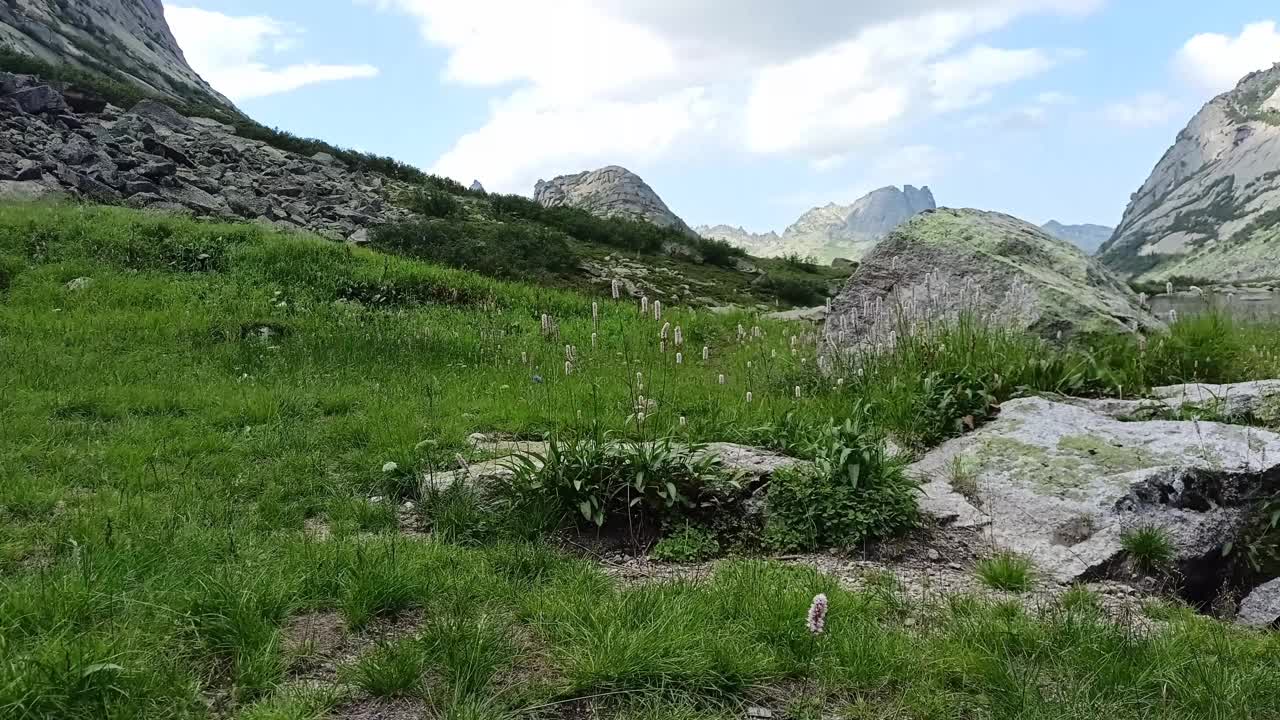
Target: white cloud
{"points": [[227, 52], [1215, 63], [614, 81], [1148, 109], [1038, 113]]}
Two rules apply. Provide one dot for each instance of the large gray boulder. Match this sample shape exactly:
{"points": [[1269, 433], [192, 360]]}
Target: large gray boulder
{"points": [[1060, 483], [1208, 210], [1004, 271], [611, 191], [1261, 607]]}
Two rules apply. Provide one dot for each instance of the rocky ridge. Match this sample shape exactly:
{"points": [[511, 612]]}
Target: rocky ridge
{"points": [[611, 191], [1087, 237], [1211, 207], [114, 37], [153, 157], [995, 266], [834, 231]]}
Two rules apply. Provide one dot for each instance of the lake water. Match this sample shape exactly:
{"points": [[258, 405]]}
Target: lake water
{"points": [[1250, 305]]}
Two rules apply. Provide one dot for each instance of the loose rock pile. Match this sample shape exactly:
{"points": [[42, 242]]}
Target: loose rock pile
{"points": [[73, 144]]}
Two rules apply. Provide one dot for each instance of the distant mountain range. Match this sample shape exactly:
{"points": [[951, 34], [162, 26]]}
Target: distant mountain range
{"points": [[1088, 237], [834, 231]]}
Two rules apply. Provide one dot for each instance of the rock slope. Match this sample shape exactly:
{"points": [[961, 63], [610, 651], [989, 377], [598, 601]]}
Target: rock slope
{"points": [[1211, 207], [1006, 271], [153, 157], [1087, 237], [113, 37], [611, 191], [835, 231]]}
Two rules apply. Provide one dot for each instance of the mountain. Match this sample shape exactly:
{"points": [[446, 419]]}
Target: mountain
{"points": [[1211, 208], [835, 231], [122, 39], [1087, 237], [611, 191], [1001, 269]]}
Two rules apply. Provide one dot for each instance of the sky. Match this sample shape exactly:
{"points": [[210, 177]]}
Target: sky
{"points": [[747, 112]]}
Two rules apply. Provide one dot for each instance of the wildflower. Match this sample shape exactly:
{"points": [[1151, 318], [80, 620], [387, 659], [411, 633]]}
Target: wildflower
{"points": [[568, 352], [721, 378], [817, 620], [684, 422], [755, 331], [1173, 315], [568, 368], [706, 353], [524, 358], [773, 353], [644, 304], [679, 358], [662, 346], [748, 364], [839, 382], [616, 288], [679, 337], [657, 309], [595, 315], [594, 336], [665, 328], [1168, 288], [742, 332], [797, 392], [748, 396], [546, 324], [793, 340], [390, 467]]}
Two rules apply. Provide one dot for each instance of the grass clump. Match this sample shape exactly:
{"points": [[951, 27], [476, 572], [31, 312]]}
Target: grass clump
{"points": [[1006, 571], [391, 669], [1150, 548]]}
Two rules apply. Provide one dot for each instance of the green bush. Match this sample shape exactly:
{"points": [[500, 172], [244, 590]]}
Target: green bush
{"points": [[433, 203], [797, 291], [504, 250], [688, 545], [853, 492], [10, 266]]}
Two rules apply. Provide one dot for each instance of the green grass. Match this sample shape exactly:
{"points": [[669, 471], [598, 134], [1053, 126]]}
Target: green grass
{"points": [[1149, 548], [161, 459], [1006, 571]]}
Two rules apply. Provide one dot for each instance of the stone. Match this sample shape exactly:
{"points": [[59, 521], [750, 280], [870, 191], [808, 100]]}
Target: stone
{"points": [[39, 99], [158, 169], [27, 170], [1257, 399], [28, 191], [1001, 270], [611, 191], [1207, 209], [1261, 607], [246, 204], [476, 186], [82, 100], [158, 114], [359, 237], [134, 187], [1061, 483], [155, 147], [324, 158]]}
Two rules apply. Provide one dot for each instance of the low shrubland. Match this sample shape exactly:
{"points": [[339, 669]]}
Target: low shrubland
{"points": [[217, 429]]}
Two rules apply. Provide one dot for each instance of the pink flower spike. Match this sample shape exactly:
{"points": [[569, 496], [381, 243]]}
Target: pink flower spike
{"points": [[818, 614]]}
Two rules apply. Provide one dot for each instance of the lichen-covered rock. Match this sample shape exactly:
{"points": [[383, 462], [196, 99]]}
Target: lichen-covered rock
{"points": [[1261, 607], [1210, 207], [611, 191], [1061, 483], [110, 36], [946, 262]]}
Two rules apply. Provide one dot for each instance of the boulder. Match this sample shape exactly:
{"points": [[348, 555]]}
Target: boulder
{"points": [[1261, 607], [1061, 483], [159, 114], [39, 99], [1001, 270], [28, 191], [611, 191]]}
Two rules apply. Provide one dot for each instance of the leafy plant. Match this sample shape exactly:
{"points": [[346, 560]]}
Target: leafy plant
{"points": [[851, 492], [432, 203], [688, 545]]}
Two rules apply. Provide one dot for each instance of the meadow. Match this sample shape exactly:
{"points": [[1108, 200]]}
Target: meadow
{"points": [[181, 401]]}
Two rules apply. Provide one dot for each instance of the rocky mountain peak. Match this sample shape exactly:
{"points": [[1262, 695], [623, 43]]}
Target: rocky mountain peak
{"points": [[611, 191], [1087, 237], [1209, 209], [123, 39]]}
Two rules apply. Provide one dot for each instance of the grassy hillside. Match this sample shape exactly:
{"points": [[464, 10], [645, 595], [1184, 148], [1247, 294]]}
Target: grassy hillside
{"points": [[183, 404]]}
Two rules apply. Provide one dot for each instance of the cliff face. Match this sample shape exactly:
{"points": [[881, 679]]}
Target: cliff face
{"points": [[1211, 207], [128, 38], [1087, 237], [609, 192]]}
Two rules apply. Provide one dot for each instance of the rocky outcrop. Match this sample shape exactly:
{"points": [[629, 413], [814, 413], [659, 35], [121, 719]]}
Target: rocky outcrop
{"points": [[1086, 237], [128, 38], [609, 192], [834, 231], [1001, 269], [476, 186], [1211, 207], [1062, 484], [153, 157]]}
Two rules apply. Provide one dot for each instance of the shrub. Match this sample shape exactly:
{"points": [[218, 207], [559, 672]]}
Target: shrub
{"points": [[506, 250], [389, 670], [10, 266], [433, 203], [688, 545], [1149, 547], [1006, 571], [797, 291], [852, 493]]}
